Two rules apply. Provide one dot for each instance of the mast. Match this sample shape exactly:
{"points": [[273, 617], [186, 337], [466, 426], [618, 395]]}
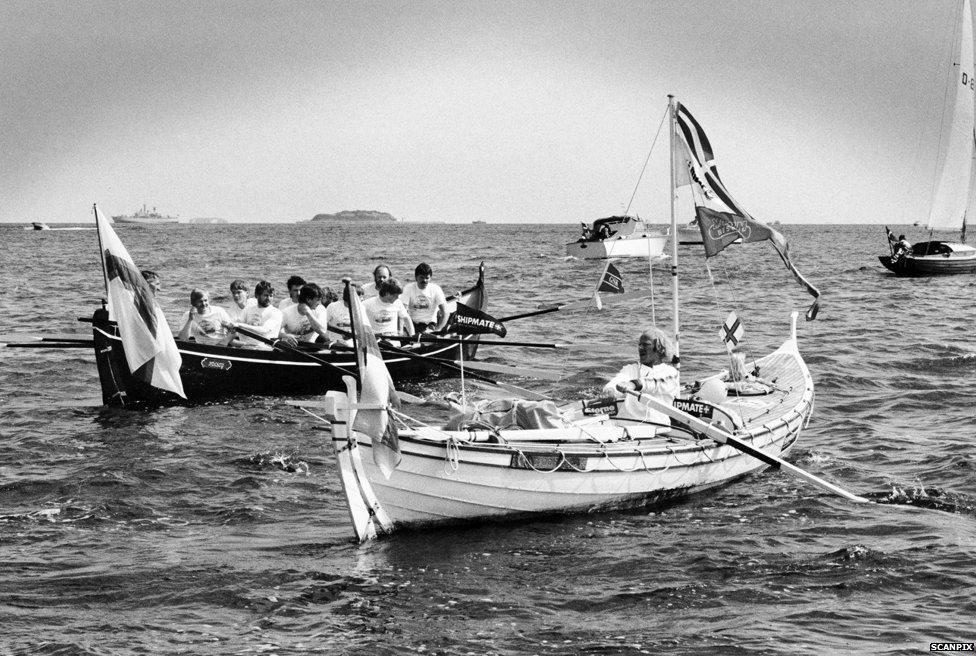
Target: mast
{"points": [[101, 248], [674, 226]]}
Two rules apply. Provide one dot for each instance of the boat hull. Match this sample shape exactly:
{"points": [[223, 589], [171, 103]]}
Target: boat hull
{"points": [[639, 246], [591, 465], [930, 265], [212, 372]]}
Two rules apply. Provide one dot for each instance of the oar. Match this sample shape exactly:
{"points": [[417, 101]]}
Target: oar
{"points": [[431, 339], [724, 437], [491, 367], [30, 337], [580, 304], [278, 344], [47, 345]]}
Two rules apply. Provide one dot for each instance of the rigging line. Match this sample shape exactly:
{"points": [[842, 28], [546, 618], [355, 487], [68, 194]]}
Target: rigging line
{"points": [[648, 159]]}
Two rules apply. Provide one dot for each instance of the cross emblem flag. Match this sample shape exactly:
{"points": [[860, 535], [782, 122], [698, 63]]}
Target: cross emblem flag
{"points": [[732, 331]]}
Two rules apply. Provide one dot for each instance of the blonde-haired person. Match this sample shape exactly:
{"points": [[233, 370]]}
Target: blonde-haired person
{"points": [[653, 375]]}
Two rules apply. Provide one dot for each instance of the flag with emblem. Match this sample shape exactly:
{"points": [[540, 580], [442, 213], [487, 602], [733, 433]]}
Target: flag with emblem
{"points": [[732, 331], [150, 349], [610, 283], [375, 389]]}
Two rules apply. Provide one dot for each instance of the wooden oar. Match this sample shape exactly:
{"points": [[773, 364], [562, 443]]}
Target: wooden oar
{"points": [[48, 345], [724, 437], [278, 344], [30, 337], [606, 299], [433, 339], [494, 368]]}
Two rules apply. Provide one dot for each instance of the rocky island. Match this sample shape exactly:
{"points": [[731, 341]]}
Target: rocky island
{"points": [[357, 216]]}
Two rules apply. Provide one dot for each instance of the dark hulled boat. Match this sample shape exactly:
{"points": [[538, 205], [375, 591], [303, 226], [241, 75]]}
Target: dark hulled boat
{"points": [[932, 258], [211, 372]]}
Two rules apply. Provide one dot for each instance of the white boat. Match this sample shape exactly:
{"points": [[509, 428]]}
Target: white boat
{"points": [[38, 225], [618, 236], [955, 190], [689, 234], [575, 459], [145, 217]]}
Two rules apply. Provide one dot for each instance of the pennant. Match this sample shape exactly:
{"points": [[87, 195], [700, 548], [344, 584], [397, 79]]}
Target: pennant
{"points": [[611, 282], [150, 349], [732, 331], [720, 218], [475, 297], [376, 388], [469, 321]]}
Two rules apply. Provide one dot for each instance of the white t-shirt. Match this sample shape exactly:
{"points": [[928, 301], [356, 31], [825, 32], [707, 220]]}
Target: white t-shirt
{"points": [[659, 381], [337, 314], [208, 328], [236, 314], [285, 303], [422, 304], [298, 324], [383, 316], [266, 321]]}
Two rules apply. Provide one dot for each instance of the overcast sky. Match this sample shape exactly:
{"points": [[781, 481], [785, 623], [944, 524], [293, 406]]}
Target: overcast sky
{"points": [[819, 112]]}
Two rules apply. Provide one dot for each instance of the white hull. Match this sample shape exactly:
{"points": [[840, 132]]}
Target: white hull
{"points": [[594, 464], [631, 246], [140, 221], [689, 236]]}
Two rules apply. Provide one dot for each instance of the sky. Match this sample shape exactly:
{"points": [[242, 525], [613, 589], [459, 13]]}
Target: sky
{"points": [[818, 111]]}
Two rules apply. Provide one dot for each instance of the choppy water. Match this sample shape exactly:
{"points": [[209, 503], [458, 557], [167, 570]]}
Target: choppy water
{"points": [[221, 528]]}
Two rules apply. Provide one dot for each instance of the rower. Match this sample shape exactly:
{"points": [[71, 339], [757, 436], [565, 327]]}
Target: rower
{"points": [[653, 375]]}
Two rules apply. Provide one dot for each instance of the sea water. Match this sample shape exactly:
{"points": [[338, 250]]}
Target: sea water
{"points": [[221, 528]]}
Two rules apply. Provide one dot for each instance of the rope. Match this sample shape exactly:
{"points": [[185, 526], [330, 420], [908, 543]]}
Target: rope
{"points": [[648, 159]]}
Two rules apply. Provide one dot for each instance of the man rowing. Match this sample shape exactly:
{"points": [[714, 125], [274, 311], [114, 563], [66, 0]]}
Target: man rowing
{"points": [[425, 301], [653, 375]]}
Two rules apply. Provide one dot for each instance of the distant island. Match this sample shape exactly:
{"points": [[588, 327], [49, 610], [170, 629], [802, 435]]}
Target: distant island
{"points": [[361, 216], [208, 219]]}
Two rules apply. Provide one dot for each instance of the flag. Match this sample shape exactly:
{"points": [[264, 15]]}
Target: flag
{"points": [[732, 331], [375, 388], [150, 350], [720, 218], [610, 282], [468, 321], [477, 298]]}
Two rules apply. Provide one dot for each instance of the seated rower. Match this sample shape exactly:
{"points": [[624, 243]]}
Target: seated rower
{"points": [[205, 323], [654, 376], [425, 301], [380, 275], [262, 318], [307, 320], [294, 284], [337, 315], [238, 292], [386, 313]]}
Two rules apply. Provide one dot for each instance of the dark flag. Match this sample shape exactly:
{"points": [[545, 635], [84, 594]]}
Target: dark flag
{"points": [[720, 218], [611, 281], [469, 321]]}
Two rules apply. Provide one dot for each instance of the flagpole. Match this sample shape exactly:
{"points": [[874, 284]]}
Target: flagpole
{"points": [[101, 248], [674, 228]]}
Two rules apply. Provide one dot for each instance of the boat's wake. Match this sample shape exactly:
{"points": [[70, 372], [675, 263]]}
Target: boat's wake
{"points": [[921, 497]]}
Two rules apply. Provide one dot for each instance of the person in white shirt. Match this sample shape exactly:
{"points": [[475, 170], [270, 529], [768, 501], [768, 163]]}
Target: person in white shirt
{"points": [[205, 323], [338, 317], [654, 375], [294, 284], [307, 320], [262, 318], [380, 275], [386, 313], [425, 301], [238, 291]]}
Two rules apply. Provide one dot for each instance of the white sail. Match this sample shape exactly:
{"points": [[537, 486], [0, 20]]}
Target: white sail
{"points": [[952, 193]]}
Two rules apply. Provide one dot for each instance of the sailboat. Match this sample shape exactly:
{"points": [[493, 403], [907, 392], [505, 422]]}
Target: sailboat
{"points": [[578, 457], [955, 192]]}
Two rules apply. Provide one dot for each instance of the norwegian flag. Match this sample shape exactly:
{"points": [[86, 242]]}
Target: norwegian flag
{"points": [[732, 331]]}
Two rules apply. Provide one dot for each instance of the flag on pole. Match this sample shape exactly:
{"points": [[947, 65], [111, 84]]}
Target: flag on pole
{"points": [[150, 349], [466, 320], [720, 218], [376, 388], [610, 282], [732, 331]]}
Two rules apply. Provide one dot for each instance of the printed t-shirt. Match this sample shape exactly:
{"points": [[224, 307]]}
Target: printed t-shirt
{"points": [[266, 321], [207, 328], [383, 316], [422, 304], [298, 324]]}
